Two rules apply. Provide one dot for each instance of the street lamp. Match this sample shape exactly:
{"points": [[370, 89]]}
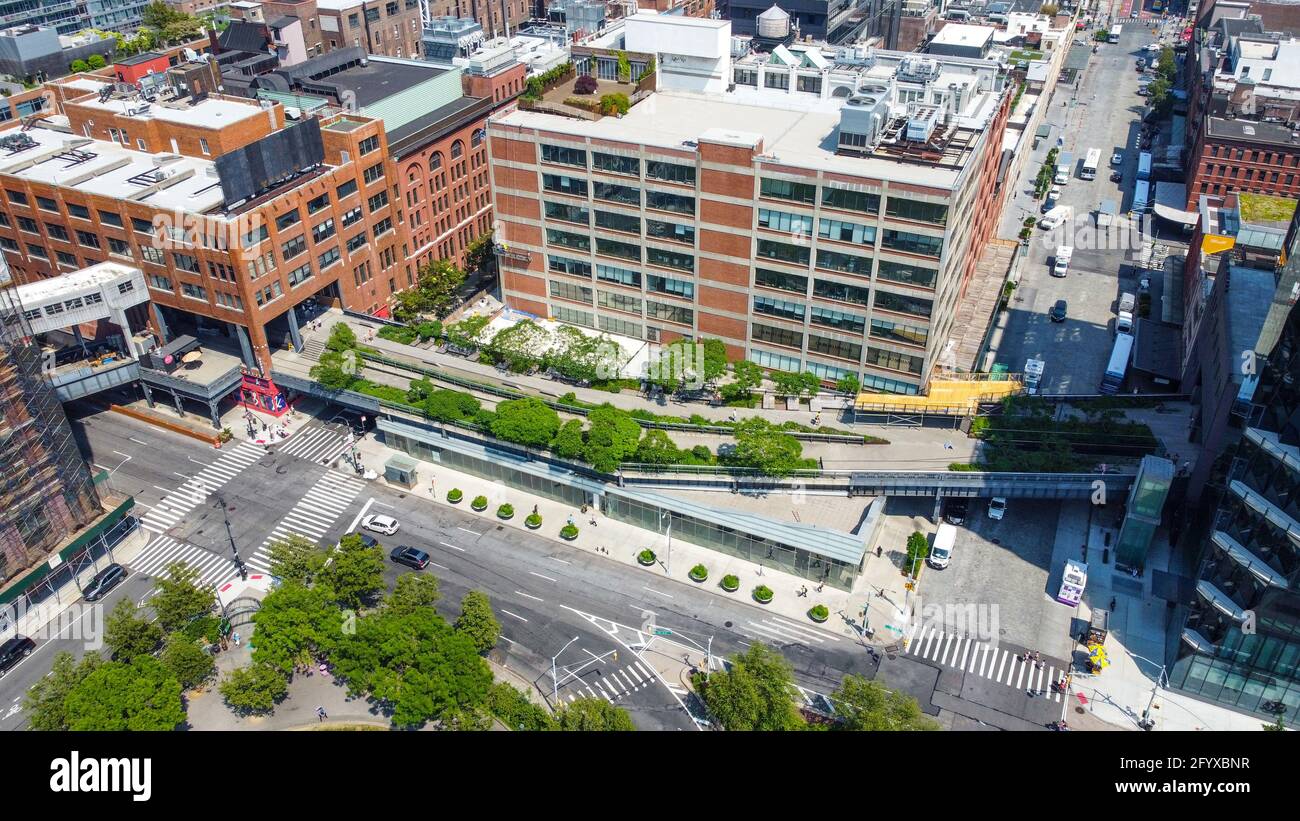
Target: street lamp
{"points": [[1162, 680], [239, 563], [555, 681], [668, 553]]}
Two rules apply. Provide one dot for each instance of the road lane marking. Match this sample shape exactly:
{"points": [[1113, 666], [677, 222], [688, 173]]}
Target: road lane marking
{"points": [[516, 615], [137, 441], [443, 566], [467, 530], [528, 595], [540, 576], [652, 590], [561, 561], [360, 514], [452, 546]]}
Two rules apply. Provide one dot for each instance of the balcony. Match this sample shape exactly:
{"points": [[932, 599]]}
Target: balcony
{"points": [[1254, 565], [1220, 601]]}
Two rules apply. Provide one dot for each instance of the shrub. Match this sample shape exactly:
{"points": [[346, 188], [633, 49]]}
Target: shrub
{"points": [[479, 503], [819, 613], [505, 511], [454, 495], [78, 66], [586, 84], [569, 531], [428, 330], [918, 547], [616, 103], [586, 105], [533, 520], [731, 583], [226, 435], [699, 572], [646, 556], [401, 334], [96, 61], [763, 593]]}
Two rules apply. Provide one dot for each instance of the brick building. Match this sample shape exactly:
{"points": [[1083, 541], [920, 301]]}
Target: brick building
{"points": [[382, 27], [725, 214]]}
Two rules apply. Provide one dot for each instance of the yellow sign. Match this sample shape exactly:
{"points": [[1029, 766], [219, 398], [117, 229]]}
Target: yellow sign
{"points": [[1213, 243]]}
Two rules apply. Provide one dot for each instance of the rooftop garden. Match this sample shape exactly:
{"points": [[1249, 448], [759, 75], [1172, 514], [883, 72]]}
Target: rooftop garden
{"points": [[1265, 208]]}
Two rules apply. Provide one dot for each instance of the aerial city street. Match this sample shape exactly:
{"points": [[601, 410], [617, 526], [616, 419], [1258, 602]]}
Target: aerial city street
{"points": [[691, 366]]}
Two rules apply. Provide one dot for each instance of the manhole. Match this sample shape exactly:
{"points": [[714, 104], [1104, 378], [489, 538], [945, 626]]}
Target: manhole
{"points": [[501, 527], [401, 495], [725, 624]]}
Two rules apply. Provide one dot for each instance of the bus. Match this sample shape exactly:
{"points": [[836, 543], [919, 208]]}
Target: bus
{"points": [[1141, 196], [1115, 30], [1089, 170], [1117, 368], [1144, 165], [1157, 6]]}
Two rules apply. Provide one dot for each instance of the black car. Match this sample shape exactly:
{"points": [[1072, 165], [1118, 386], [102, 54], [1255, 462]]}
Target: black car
{"points": [[1057, 314], [13, 650], [104, 581], [409, 556], [1117, 176], [367, 539], [954, 511]]}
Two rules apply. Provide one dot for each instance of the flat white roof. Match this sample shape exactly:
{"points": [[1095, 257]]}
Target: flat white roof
{"points": [[96, 276], [800, 135], [681, 20], [210, 113], [958, 34], [337, 5], [86, 83]]}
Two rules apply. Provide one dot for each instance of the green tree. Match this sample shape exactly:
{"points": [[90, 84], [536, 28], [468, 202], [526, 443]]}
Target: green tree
{"points": [[1166, 65], [96, 61], [918, 547], [179, 598], [78, 66], [408, 305], [477, 622], [656, 448], [516, 711], [412, 592], [44, 704], [747, 375], [128, 633], [568, 442], [848, 383], [580, 356], [357, 572], [865, 705], [757, 693], [611, 438], [439, 282], [254, 689], [480, 254], [341, 338], [159, 15], [1161, 98], [520, 347], [187, 661], [594, 715], [467, 333], [294, 625], [295, 558], [451, 406], [140, 696], [527, 421], [766, 449], [787, 384], [336, 371]]}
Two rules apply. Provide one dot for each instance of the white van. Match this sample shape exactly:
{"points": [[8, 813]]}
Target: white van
{"points": [[1061, 264], [1054, 217], [941, 552]]}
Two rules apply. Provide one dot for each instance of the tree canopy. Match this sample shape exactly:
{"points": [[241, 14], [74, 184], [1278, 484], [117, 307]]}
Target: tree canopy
{"points": [[129, 633], [864, 705], [179, 598], [255, 688], [611, 438], [765, 448], [757, 693], [526, 421], [413, 591], [356, 573], [594, 715], [295, 558], [45, 703], [477, 622], [142, 695], [294, 624]]}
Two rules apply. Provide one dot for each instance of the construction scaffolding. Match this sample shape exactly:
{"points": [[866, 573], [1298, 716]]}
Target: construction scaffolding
{"points": [[945, 403]]}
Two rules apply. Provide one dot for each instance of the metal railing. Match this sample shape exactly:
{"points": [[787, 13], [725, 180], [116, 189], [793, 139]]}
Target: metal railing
{"points": [[208, 390]]}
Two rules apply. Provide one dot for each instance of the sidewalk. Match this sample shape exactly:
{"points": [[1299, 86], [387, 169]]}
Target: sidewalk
{"points": [[620, 542]]}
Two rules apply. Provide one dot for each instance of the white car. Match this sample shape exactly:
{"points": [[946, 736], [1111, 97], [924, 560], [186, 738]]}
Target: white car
{"points": [[997, 507], [386, 525], [1117, 158], [1155, 46]]}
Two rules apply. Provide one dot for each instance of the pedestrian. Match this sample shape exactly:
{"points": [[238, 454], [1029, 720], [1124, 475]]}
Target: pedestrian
{"points": [[820, 585], [879, 551], [948, 446], [820, 464], [235, 637], [760, 570], [593, 521], [570, 521], [534, 510], [1113, 602], [320, 713]]}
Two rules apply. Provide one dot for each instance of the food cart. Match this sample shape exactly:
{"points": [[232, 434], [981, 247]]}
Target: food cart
{"points": [[1073, 581], [1098, 627]]}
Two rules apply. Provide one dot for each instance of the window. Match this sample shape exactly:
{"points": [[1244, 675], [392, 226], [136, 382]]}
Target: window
{"points": [[767, 359], [786, 190], [811, 85], [255, 236], [354, 21], [8, 244], [109, 218], [615, 164], [795, 254], [36, 251], [160, 282], [894, 361], [841, 292], [622, 276], [618, 325], [572, 186], [87, 239], [565, 265], [659, 201], [356, 242], [79, 211], [618, 222], [846, 231], [351, 217], [4, 219], [328, 258], [670, 259], [373, 173], [838, 348], [624, 194], [560, 155], [847, 200], [570, 291], [669, 313], [317, 203], [186, 262], [781, 308], [457, 149], [771, 334], [567, 213], [193, 291], [911, 243], [618, 302], [903, 304], [368, 145], [571, 315], [776, 79], [840, 321], [564, 238], [323, 230], [65, 258], [781, 280], [288, 219], [151, 254], [347, 189], [670, 172], [745, 77], [47, 204], [293, 247], [142, 226], [378, 201], [917, 211], [667, 285], [896, 332], [906, 273], [203, 146], [670, 231], [16, 196], [55, 231], [382, 227], [848, 263], [789, 223], [614, 248]]}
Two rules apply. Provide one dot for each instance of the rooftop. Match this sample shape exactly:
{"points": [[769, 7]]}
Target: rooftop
{"points": [[212, 112], [143, 57], [104, 273], [337, 5], [957, 34], [1248, 130], [1265, 208]]}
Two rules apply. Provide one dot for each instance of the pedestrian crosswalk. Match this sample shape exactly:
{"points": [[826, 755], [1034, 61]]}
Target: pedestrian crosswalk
{"points": [[160, 553], [319, 445], [998, 664], [173, 507], [611, 686], [313, 515], [780, 631]]}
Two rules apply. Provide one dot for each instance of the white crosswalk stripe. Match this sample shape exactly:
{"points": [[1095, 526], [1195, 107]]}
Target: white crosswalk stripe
{"points": [[313, 515], [319, 445], [164, 551], [986, 661], [196, 489]]}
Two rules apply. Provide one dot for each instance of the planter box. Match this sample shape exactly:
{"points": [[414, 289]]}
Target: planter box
{"points": [[530, 525], [729, 589], [762, 601], [821, 620], [695, 578], [641, 560]]}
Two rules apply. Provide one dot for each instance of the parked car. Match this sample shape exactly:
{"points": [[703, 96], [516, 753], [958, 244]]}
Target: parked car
{"points": [[997, 507], [14, 650], [368, 540], [1057, 313], [410, 556], [1117, 158], [954, 510], [104, 581], [1117, 176], [386, 525]]}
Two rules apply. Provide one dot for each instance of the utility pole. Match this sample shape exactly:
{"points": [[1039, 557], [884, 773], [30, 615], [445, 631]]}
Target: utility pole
{"points": [[239, 563]]}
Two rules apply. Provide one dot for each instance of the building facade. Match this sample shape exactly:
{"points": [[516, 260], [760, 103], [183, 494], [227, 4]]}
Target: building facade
{"points": [[46, 492], [382, 27]]}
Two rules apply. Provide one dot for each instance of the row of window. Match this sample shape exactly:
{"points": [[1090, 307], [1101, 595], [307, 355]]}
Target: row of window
{"points": [[618, 164], [844, 199]]}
